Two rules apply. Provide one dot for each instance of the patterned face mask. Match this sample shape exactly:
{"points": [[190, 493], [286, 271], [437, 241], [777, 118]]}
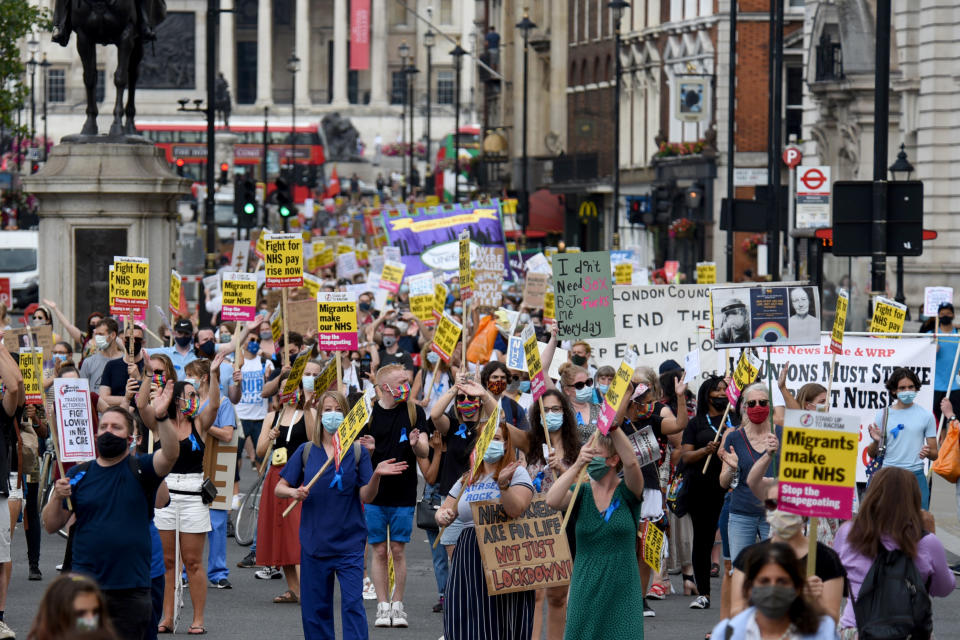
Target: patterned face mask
{"points": [[191, 407], [402, 392], [160, 380]]}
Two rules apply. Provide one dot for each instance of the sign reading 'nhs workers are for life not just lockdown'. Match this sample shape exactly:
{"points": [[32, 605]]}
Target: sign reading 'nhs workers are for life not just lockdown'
{"points": [[584, 295]]}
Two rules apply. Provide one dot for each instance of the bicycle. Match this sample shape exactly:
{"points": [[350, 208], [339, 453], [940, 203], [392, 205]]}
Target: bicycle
{"points": [[48, 463], [245, 522]]}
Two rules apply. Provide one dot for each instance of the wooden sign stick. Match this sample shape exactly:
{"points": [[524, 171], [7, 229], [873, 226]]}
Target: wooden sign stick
{"points": [[129, 329], [433, 381], [576, 487], [286, 337], [546, 434], [308, 486], [716, 436]]}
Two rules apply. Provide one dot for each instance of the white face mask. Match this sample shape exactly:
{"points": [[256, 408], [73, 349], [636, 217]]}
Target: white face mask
{"points": [[785, 525], [101, 341]]}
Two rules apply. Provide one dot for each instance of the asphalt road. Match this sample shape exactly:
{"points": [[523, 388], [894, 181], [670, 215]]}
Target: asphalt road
{"points": [[246, 611]]}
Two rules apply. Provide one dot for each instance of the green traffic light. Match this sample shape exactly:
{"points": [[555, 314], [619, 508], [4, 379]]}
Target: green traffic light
{"points": [[284, 212], [249, 208]]}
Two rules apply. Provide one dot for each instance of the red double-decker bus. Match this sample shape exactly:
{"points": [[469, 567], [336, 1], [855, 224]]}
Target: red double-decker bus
{"points": [[303, 154]]}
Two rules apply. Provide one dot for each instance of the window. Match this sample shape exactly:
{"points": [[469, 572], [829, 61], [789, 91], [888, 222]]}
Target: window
{"points": [[446, 11], [101, 85], [398, 86], [445, 87], [56, 88], [794, 101], [398, 14]]}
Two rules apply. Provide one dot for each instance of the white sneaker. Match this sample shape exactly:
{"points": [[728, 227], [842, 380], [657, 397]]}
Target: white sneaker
{"points": [[369, 592], [268, 573], [702, 602], [399, 615], [383, 615], [7, 632]]}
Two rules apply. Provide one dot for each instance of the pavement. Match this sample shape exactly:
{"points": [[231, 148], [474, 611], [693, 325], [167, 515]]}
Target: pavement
{"points": [[246, 610]]}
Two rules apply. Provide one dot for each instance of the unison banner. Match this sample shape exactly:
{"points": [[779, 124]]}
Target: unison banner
{"points": [[359, 35]]}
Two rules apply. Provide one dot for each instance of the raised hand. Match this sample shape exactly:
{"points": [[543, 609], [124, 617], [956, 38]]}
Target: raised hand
{"points": [[728, 456], [506, 474], [390, 468]]}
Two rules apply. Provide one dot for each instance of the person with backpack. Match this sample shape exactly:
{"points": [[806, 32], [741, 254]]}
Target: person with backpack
{"points": [[774, 587], [116, 493], [894, 562], [333, 531]]}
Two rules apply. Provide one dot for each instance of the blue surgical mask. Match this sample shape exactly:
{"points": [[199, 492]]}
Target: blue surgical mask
{"points": [[192, 381], [602, 388], [458, 310], [307, 382], [525, 386], [907, 397], [60, 357], [494, 452], [554, 421], [585, 394], [331, 421], [432, 357]]}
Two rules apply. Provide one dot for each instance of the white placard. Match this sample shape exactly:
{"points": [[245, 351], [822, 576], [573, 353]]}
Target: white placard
{"points": [[691, 366], [933, 296], [74, 423]]}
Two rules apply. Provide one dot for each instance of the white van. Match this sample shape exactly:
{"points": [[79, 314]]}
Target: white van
{"points": [[18, 261]]}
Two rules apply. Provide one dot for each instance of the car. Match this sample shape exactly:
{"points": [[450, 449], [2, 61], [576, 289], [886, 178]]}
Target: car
{"points": [[19, 263]]}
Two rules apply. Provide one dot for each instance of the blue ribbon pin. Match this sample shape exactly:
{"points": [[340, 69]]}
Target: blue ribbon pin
{"points": [[462, 431], [195, 446], [337, 480], [896, 431], [613, 507], [538, 481], [75, 479], [403, 435]]}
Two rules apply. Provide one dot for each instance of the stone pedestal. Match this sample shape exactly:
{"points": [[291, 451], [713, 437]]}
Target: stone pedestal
{"points": [[99, 200]]}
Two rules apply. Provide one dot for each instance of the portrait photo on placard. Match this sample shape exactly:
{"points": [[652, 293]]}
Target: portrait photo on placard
{"points": [[764, 315], [804, 323], [731, 316]]}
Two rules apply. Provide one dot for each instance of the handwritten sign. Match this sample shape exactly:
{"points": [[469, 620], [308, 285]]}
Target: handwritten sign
{"points": [[74, 423], [525, 553], [392, 275], [584, 295], [284, 260], [933, 297], [839, 322], [347, 265], [337, 321], [888, 316], [466, 272], [748, 366], [131, 278], [818, 464], [706, 273], [614, 395], [534, 288], [446, 337], [239, 291], [176, 288], [531, 352], [31, 368]]}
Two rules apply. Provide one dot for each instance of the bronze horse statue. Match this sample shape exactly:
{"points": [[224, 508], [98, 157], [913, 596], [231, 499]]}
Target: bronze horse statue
{"points": [[127, 24]]}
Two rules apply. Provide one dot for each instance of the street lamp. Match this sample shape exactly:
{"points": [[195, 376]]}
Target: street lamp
{"points": [[526, 25], [410, 71], [900, 166], [44, 65], [429, 39], [404, 51], [293, 65], [617, 7], [458, 52], [33, 47]]}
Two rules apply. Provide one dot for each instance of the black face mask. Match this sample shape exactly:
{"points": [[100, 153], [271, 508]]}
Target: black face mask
{"points": [[945, 320], [137, 346], [110, 446], [208, 348], [578, 360], [718, 403], [183, 341]]}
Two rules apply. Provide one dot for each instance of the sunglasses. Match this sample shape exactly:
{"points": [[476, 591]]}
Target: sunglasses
{"points": [[770, 504], [462, 397], [580, 385], [757, 403]]}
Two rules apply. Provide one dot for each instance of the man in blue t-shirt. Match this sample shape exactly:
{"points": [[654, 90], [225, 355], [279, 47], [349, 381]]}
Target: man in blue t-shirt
{"points": [[116, 494]]}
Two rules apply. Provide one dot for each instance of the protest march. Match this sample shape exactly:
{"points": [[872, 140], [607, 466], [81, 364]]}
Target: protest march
{"points": [[561, 446]]}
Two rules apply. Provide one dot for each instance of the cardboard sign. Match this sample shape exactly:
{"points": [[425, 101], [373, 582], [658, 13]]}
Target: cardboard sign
{"points": [[652, 541], [484, 440], [762, 316], [296, 375], [284, 260], [706, 273], [176, 292], [933, 296], [623, 273], [888, 316], [525, 553], [531, 351], [614, 395], [303, 316], [239, 291], [422, 297], [466, 272], [534, 288], [392, 275], [440, 292], [746, 372], [131, 279], [487, 287], [75, 434], [31, 368], [584, 295], [839, 322], [818, 464], [446, 337], [337, 321]]}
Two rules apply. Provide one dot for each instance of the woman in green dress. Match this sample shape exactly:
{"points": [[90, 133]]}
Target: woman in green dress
{"points": [[607, 513]]}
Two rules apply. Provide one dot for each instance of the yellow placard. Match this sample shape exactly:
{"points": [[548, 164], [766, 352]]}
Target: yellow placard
{"points": [[326, 258], [276, 325], [176, 283], [706, 273], [888, 316], [446, 337], [549, 302], [422, 307], [296, 374], [131, 278], [653, 541], [807, 453], [392, 275], [111, 294], [352, 423], [439, 299], [432, 201], [284, 260], [312, 283], [260, 249], [31, 368], [485, 438], [466, 272], [748, 366], [839, 322], [363, 256], [344, 248], [623, 273]]}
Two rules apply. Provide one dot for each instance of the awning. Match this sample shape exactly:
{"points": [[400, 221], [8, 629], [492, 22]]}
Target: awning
{"points": [[546, 216]]}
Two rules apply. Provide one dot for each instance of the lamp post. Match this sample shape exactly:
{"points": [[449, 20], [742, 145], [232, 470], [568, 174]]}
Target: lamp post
{"points": [[458, 52], [293, 66], [900, 166], [266, 147], [33, 47], [44, 65], [526, 25], [617, 7], [404, 51], [429, 39], [410, 71]]}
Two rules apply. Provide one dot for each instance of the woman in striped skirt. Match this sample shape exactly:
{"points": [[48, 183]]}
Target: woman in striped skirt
{"points": [[469, 612]]}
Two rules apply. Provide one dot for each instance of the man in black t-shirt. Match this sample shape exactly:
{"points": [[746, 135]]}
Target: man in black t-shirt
{"points": [[399, 438], [391, 353], [116, 373]]}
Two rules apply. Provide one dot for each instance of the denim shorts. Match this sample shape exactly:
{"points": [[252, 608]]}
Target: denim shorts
{"points": [[398, 519]]}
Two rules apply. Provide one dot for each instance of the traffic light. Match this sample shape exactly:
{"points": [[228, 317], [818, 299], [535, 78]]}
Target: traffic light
{"points": [[693, 196], [662, 206], [248, 201], [224, 168], [180, 164], [638, 210], [284, 201]]}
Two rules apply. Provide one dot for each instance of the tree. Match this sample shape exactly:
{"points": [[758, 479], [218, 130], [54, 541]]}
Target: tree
{"points": [[17, 19]]}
